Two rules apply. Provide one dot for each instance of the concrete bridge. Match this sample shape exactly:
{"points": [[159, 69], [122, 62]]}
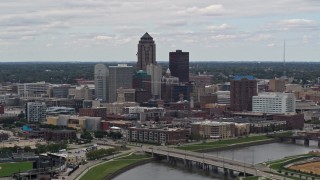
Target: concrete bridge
{"points": [[293, 139], [209, 162]]}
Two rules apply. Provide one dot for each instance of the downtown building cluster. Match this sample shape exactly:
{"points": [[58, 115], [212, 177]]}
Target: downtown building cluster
{"points": [[147, 103]]}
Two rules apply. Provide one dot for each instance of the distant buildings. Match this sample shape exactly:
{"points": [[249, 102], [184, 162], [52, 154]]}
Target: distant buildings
{"points": [[119, 76], [101, 75], [274, 103], [146, 52], [276, 85], [94, 112], [179, 65], [33, 90], [36, 112], [243, 88], [56, 110], [108, 80], [83, 92]]}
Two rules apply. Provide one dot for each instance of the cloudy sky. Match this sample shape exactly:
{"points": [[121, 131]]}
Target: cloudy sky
{"points": [[109, 30]]}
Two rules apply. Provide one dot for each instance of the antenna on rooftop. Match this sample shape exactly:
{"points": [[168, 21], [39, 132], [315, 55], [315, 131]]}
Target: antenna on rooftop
{"points": [[284, 59]]}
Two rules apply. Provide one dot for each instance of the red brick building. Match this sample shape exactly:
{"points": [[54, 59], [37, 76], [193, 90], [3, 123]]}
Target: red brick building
{"points": [[93, 112], [242, 88], [294, 121]]}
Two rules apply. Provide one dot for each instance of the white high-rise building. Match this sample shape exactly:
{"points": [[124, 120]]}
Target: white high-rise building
{"points": [[36, 111], [155, 70], [274, 103], [101, 74]]}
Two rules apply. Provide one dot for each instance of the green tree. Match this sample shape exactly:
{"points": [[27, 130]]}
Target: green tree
{"points": [[86, 135], [98, 134]]}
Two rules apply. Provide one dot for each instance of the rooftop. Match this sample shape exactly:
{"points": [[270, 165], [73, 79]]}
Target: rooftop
{"points": [[243, 77], [146, 36]]}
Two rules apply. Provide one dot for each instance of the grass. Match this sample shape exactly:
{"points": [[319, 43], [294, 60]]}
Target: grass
{"points": [[223, 143], [7, 169], [106, 169], [279, 165]]}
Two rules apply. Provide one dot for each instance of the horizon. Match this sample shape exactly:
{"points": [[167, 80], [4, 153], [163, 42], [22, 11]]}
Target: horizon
{"points": [[223, 30]]}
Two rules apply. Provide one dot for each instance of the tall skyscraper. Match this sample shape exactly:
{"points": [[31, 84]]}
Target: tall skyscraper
{"points": [[146, 52], [242, 89], [101, 74], [155, 70], [179, 65], [119, 76]]}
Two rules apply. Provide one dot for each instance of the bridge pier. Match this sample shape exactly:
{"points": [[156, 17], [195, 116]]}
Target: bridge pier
{"points": [[187, 163], [231, 172], [172, 160], [293, 140], [319, 143], [215, 169], [306, 142], [225, 171]]}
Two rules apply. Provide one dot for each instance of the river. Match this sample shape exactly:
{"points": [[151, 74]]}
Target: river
{"points": [[253, 154]]}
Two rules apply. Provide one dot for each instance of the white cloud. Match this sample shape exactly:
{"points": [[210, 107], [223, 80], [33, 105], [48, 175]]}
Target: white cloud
{"points": [[219, 27], [224, 37], [297, 23], [210, 10], [103, 38], [271, 45]]}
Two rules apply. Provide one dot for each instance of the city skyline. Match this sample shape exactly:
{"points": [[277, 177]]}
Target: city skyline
{"points": [[96, 30]]}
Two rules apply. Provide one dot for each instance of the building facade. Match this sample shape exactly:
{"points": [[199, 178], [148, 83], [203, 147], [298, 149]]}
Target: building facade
{"points": [[213, 129], [36, 112], [179, 65], [274, 103], [242, 89], [166, 136], [119, 76], [155, 71], [146, 52], [101, 75], [33, 90]]}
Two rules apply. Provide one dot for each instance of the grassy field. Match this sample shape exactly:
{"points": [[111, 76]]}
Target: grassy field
{"points": [[222, 143], [103, 170], [7, 169]]}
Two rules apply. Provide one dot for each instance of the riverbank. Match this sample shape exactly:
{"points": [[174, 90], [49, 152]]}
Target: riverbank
{"points": [[228, 144], [114, 167], [233, 146]]}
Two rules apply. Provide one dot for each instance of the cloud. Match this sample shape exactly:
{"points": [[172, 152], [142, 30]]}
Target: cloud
{"points": [[297, 24], [103, 38], [176, 23], [210, 10], [224, 37], [271, 45], [219, 27]]}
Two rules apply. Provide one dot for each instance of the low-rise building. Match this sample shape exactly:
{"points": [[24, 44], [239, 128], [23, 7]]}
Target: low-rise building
{"points": [[213, 129], [94, 112], [165, 136], [145, 113]]}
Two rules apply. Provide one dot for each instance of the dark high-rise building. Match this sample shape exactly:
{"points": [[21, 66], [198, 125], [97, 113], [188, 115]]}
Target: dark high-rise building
{"points": [[179, 65], [146, 52], [141, 82], [242, 88]]}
